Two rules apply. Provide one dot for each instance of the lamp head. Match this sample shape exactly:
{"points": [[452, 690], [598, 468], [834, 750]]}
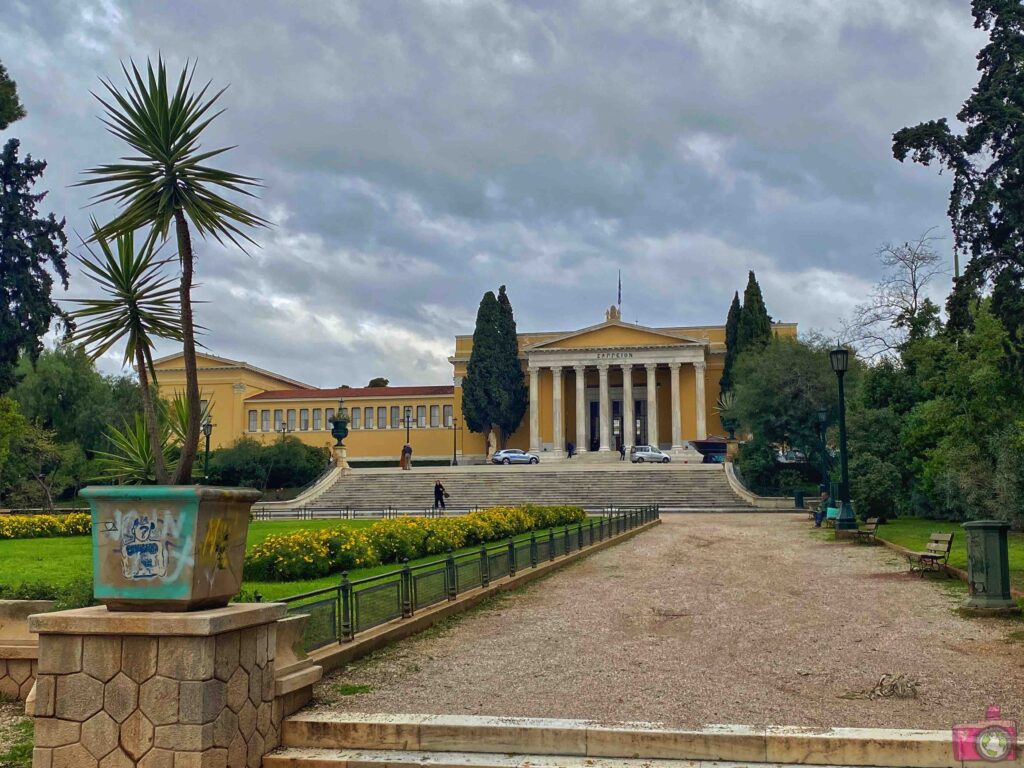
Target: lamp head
{"points": [[840, 359], [822, 416], [207, 426]]}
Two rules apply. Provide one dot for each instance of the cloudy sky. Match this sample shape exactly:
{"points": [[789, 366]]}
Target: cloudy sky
{"points": [[417, 154]]}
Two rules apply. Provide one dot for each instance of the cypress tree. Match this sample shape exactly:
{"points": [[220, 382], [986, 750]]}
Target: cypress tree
{"points": [[512, 394], [731, 328], [480, 406], [754, 328]]}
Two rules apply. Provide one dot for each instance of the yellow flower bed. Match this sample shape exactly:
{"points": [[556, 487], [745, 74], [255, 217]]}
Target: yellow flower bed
{"points": [[309, 554], [40, 526]]}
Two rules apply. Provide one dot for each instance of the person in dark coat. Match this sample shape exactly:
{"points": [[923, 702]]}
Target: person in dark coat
{"points": [[439, 495]]}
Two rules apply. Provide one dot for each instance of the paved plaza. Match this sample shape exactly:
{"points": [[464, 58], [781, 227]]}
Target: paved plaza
{"points": [[727, 618]]}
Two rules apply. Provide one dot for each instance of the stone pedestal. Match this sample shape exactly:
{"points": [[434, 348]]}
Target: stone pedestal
{"points": [[341, 458], [19, 648], [156, 690]]}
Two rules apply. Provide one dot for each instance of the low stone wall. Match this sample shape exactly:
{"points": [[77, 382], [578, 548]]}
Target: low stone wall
{"points": [[19, 649]]}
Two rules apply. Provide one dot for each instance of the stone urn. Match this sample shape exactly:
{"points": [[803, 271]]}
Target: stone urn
{"points": [[168, 548]]}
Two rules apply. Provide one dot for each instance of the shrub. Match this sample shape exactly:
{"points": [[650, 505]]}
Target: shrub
{"points": [[285, 463], [77, 593], [309, 554], [45, 526]]}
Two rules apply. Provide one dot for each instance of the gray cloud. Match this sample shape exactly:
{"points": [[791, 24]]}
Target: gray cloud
{"points": [[416, 155]]}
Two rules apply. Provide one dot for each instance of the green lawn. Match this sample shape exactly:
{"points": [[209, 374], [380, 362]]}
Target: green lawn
{"points": [[913, 533], [58, 561]]}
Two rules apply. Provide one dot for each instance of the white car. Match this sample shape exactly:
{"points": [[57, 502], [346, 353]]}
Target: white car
{"points": [[514, 456], [641, 453]]}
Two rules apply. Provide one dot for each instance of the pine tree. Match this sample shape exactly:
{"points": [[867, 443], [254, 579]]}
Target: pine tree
{"points": [[754, 328], [731, 328], [30, 248], [10, 106], [480, 406], [512, 394]]}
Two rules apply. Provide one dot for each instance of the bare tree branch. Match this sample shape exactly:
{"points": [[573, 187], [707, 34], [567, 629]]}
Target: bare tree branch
{"points": [[883, 323]]}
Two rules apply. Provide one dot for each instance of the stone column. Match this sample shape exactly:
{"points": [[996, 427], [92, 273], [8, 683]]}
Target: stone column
{"points": [[628, 420], [160, 689], [677, 417], [556, 410], [605, 408], [652, 404], [581, 408], [534, 409], [702, 419]]}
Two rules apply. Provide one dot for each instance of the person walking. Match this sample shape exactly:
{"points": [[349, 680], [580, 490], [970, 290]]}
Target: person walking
{"points": [[440, 494], [406, 456], [570, 448], [622, 451]]}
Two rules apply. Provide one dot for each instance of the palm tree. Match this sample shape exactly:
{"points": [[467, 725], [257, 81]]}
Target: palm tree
{"points": [[140, 305], [166, 181]]}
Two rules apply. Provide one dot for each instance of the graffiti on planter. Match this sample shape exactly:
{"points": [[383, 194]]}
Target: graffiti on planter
{"points": [[215, 545], [150, 542], [143, 550]]}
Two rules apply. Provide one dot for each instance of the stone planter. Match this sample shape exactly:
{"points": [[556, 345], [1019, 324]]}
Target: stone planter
{"points": [[168, 548]]}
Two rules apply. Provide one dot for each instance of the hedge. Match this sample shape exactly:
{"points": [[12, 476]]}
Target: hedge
{"points": [[45, 526], [310, 554]]}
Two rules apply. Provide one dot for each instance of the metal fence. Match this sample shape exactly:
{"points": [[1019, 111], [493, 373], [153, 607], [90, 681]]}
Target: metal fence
{"points": [[339, 613], [383, 513]]}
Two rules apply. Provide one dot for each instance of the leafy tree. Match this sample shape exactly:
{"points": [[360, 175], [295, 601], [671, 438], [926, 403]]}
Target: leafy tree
{"points": [[28, 455], [285, 463], [754, 327], [986, 203], [165, 182], [141, 305], [10, 105], [480, 396], [780, 387], [65, 393], [732, 323], [379, 381], [513, 397], [31, 248]]}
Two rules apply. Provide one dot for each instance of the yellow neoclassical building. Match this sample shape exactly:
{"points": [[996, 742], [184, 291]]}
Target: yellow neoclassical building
{"points": [[599, 388]]}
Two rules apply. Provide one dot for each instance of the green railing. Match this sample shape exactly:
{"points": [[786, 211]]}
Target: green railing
{"points": [[337, 614]]}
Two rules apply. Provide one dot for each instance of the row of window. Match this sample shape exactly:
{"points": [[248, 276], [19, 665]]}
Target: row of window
{"points": [[316, 419]]}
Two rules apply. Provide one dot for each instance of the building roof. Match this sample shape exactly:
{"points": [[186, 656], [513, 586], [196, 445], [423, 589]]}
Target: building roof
{"points": [[228, 363], [352, 393]]}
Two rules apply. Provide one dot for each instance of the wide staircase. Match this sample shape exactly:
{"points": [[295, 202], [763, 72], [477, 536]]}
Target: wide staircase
{"points": [[684, 488]]}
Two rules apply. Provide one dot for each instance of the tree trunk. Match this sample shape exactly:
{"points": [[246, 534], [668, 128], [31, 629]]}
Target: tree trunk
{"points": [[183, 475], [152, 426]]}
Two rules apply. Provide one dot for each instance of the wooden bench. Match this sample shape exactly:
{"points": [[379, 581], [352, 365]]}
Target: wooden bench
{"points": [[935, 554], [867, 533]]}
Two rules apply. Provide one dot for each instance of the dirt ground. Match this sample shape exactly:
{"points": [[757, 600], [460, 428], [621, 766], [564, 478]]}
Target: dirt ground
{"points": [[730, 618]]}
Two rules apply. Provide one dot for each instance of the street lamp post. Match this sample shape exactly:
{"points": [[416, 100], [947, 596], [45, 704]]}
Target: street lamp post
{"points": [[207, 431], [408, 418], [822, 425], [455, 445], [840, 360]]}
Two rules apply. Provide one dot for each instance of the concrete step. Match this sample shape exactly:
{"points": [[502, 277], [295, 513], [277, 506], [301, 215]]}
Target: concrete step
{"points": [[298, 757], [465, 740]]}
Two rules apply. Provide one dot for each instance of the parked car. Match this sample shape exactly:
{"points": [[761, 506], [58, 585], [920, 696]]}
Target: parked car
{"points": [[641, 453], [791, 457], [514, 456]]}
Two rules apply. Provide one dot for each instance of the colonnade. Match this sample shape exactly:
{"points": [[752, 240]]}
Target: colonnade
{"points": [[605, 404]]}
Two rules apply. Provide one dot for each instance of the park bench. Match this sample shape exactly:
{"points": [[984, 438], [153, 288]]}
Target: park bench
{"points": [[867, 533], [935, 554]]}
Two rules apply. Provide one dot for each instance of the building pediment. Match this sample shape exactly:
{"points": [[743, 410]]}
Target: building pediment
{"points": [[614, 334]]}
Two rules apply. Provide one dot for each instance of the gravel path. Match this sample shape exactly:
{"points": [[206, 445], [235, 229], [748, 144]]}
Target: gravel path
{"points": [[729, 618]]}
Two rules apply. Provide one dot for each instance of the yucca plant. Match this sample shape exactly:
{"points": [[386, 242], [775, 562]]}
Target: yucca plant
{"points": [[166, 181], [141, 304], [133, 455]]}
